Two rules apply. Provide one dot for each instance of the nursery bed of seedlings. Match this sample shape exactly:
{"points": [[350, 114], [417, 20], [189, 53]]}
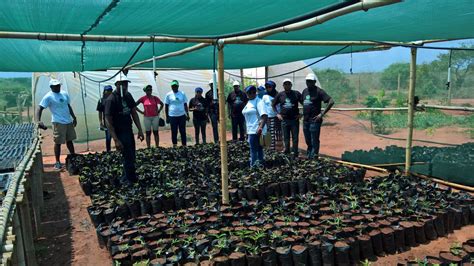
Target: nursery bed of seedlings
{"points": [[290, 213], [15, 140], [171, 179], [456, 255], [334, 224], [454, 164]]}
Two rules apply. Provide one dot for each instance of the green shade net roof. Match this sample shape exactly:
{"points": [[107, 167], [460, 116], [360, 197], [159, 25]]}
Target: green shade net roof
{"points": [[410, 20]]}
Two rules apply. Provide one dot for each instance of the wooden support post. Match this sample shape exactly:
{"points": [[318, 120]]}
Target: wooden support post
{"points": [[39, 169], [449, 94], [411, 112], [242, 80], [36, 189], [398, 85], [18, 104], [27, 231], [266, 73], [20, 249], [358, 90], [222, 125], [28, 113]]}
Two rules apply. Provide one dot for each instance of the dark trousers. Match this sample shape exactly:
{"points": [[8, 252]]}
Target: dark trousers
{"points": [[256, 150], [274, 126], [200, 127], [108, 140], [311, 132], [238, 123], [215, 129], [178, 122], [290, 127], [127, 139]]}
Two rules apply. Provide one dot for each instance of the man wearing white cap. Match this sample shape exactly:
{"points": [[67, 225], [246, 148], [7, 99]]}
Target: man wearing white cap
{"points": [[236, 101], [285, 105], [120, 110], [213, 111], [313, 117], [62, 116]]}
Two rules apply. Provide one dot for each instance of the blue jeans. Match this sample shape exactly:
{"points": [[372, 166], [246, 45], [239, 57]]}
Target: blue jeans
{"points": [[311, 132], [127, 139], [290, 127], [108, 140], [256, 150], [178, 122]]}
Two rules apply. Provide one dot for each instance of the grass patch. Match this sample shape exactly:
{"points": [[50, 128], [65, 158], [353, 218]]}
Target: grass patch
{"points": [[429, 120]]}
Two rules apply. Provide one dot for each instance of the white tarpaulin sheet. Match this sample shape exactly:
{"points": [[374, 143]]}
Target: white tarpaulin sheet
{"points": [[188, 80]]}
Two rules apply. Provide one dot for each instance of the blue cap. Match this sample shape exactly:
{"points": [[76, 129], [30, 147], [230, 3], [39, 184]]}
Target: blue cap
{"points": [[261, 88], [270, 83], [251, 87], [108, 88], [198, 89]]}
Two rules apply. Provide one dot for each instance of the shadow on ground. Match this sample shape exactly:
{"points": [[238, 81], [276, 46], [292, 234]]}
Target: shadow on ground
{"points": [[53, 244]]}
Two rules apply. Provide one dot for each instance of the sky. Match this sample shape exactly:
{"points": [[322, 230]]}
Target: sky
{"points": [[379, 60], [361, 62]]}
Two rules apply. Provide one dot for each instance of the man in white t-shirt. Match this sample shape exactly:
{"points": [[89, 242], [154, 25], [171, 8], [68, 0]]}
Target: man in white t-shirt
{"points": [[62, 116], [177, 113]]}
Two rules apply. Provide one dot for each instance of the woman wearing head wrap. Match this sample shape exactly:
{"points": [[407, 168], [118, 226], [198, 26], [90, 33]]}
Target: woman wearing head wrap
{"points": [[255, 120], [274, 124], [199, 106]]}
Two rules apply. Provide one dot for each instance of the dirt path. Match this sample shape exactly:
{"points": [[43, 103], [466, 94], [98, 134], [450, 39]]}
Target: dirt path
{"points": [[68, 236], [67, 233]]}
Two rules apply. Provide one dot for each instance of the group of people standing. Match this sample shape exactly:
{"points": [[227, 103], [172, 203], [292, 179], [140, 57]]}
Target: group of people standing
{"points": [[257, 114], [279, 111]]}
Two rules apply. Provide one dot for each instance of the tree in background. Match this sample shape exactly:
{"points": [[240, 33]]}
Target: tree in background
{"points": [[431, 77], [462, 71], [336, 84], [11, 89], [389, 78]]}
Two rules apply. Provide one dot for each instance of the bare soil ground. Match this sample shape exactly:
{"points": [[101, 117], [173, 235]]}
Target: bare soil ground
{"points": [[67, 235]]}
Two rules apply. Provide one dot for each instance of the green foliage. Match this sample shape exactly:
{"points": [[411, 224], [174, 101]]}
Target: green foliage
{"points": [[428, 120], [378, 101], [11, 88], [455, 248], [389, 77], [336, 84], [430, 80], [375, 117]]}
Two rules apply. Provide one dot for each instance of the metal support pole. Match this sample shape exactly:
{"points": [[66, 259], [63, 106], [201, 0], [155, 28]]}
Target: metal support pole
{"points": [[448, 83], [222, 126], [242, 84], [411, 112]]}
